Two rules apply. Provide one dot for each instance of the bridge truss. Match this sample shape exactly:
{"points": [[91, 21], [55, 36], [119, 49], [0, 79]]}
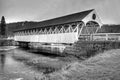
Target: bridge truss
{"points": [[63, 33], [63, 30]]}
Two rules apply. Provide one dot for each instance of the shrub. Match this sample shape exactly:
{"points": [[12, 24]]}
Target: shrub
{"points": [[90, 48]]}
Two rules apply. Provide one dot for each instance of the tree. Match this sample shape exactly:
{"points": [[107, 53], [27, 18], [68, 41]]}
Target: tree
{"points": [[3, 26]]}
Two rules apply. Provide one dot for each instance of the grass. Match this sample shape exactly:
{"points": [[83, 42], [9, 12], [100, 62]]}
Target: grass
{"points": [[105, 66], [86, 49], [41, 63]]}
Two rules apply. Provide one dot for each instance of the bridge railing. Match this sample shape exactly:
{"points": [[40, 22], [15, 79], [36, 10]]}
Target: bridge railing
{"points": [[101, 37]]}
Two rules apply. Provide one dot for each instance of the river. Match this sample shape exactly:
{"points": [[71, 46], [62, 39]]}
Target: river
{"points": [[11, 69]]}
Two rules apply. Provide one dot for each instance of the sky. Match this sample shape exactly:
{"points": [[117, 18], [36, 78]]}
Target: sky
{"points": [[38, 10]]}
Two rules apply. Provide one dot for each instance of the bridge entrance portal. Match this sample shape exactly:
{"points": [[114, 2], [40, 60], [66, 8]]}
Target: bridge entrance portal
{"points": [[90, 28]]}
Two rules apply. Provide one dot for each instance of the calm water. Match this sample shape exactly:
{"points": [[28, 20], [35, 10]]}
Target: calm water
{"points": [[10, 69]]}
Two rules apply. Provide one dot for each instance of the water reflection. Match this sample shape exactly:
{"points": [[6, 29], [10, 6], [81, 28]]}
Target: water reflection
{"points": [[2, 61], [14, 69]]}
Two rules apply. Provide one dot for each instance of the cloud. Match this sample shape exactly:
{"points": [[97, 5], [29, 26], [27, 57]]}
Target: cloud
{"points": [[18, 10], [1, 6], [109, 11]]}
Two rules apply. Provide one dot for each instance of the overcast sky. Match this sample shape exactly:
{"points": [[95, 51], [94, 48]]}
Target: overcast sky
{"points": [[38, 10]]}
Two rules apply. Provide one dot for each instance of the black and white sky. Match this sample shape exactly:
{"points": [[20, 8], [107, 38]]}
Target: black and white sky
{"points": [[38, 10]]}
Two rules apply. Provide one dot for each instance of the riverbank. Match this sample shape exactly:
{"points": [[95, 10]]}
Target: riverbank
{"points": [[42, 63], [104, 66], [6, 48]]}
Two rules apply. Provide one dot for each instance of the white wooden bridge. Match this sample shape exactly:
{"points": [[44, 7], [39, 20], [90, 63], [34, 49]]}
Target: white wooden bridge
{"points": [[62, 30]]}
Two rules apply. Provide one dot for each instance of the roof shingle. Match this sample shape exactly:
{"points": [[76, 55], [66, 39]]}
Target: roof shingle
{"points": [[60, 20]]}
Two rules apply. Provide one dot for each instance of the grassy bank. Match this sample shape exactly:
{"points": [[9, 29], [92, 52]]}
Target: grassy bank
{"points": [[86, 49], [105, 66], [42, 63]]}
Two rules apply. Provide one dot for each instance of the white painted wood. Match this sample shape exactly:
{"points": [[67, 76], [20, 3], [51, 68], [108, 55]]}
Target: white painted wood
{"points": [[63, 35], [106, 36], [89, 18], [51, 38]]}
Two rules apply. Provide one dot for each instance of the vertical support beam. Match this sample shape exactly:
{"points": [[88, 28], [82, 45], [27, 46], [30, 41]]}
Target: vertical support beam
{"points": [[62, 30], [77, 29], [40, 32], [36, 31], [50, 31], [56, 30], [81, 28], [45, 31], [106, 36], [70, 28], [91, 37]]}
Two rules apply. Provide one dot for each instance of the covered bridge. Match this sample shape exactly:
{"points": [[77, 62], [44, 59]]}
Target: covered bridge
{"points": [[66, 29]]}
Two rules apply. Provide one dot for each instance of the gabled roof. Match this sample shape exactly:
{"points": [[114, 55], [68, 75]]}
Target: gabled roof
{"points": [[55, 21], [66, 19], [109, 29]]}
